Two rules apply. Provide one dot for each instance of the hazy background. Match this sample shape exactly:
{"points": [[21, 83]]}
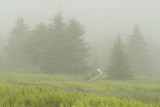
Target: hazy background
{"points": [[100, 17]]}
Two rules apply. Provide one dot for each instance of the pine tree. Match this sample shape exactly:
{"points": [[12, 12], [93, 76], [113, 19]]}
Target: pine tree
{"points": [[45, 46], [15, 48], [138, 53], [35, 46], [62, 49], [78, 49], [118, 67]]}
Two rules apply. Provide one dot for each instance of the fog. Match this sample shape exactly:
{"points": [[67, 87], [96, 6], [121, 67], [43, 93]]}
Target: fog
{"points": [[79, 53], [101, 18]]}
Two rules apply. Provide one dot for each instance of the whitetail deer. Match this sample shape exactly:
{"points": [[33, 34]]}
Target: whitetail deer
{"points": [[94, 77]]}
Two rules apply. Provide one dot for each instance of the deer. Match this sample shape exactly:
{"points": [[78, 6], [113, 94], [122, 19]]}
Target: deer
{"points": [[94, 77]]}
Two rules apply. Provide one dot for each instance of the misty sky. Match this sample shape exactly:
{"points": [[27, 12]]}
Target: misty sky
{"points": [[100, 17]]}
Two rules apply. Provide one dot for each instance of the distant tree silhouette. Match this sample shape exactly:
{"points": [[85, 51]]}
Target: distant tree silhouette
{"points": [[138, 53], [118, 66], [62, 48], [15, 47]]}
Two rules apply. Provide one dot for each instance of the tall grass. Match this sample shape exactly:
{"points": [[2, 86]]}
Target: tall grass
{"points": [[40, 90], [37, 96]]}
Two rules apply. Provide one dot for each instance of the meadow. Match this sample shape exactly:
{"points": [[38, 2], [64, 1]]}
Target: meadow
{"points": [[62, 90]]}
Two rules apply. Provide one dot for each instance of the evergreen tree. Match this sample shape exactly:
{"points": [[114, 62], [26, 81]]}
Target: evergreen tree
{"points": [[15, 48], [118, 67], [35, 46], [45, 46], [62, 49], [77, 48], [138, 53], [56, 46]]}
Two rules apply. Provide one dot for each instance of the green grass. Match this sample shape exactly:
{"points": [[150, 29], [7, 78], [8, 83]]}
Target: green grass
{"points": [[42, 90]]}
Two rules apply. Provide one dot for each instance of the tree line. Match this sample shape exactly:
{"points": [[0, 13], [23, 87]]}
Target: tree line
{"points": [[60, 47]]}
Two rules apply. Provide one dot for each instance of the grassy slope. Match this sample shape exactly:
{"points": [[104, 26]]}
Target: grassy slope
{"points": [[40, 90]]}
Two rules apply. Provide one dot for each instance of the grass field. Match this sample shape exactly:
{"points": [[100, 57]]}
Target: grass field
{"points": [[41, 90]]}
